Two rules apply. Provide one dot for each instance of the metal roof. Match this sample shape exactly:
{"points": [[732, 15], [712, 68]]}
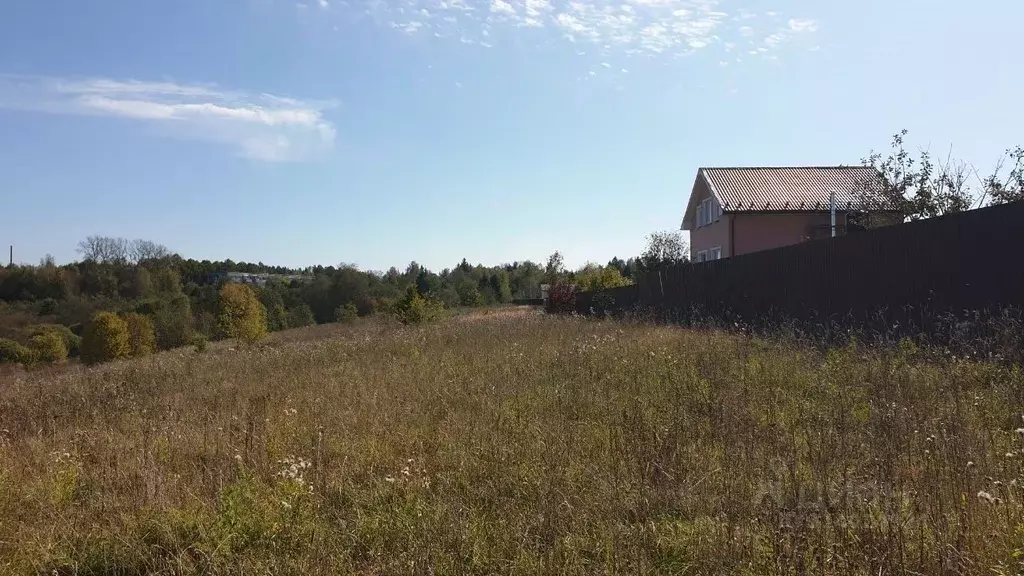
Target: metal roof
{"points": [[800, 188]]}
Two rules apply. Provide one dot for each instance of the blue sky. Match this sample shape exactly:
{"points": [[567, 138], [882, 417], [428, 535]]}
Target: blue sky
{"points": [[383, 131]]}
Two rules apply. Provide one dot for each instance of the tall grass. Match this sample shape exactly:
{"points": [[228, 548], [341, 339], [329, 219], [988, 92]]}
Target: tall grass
{"points": [[514, 444]]}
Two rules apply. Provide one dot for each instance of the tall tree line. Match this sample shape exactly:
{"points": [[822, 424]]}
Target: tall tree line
{"points": [[181, 295]]}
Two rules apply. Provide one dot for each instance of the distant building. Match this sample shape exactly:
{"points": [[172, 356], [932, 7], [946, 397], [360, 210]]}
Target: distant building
{"points": [[255, 279], [735, 211]]}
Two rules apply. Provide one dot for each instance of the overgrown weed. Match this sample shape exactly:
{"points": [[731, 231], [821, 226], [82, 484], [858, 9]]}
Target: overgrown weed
{"points": [[515, 444]]}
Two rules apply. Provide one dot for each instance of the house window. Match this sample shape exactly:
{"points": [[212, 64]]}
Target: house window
{"points": [[715, 253], [702, 256], [708, 211]]}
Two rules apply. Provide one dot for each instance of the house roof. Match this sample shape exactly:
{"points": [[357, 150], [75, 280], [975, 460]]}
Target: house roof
{"points": [[790, 189]]}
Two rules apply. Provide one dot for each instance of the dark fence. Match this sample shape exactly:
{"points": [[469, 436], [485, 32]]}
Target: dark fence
{"points": [[605, 301], [906, 275]]}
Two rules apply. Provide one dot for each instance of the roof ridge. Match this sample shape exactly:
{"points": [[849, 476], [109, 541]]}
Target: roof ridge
{"points": [[784, 167]]}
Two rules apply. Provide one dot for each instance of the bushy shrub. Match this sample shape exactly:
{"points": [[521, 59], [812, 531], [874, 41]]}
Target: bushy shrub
{"points": [[172, 321], [106, 338], [346, 313], [301, 315], [415, 309], [200, 342], [601, 278], [72, 341], [49, 347], [47, 306], [277, 317], [141, 334], [384, 305], [241, 315], [12, 352], [561, 299]]}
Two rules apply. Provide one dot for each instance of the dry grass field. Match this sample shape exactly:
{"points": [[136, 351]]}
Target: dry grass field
{"points": [[514, 443]]}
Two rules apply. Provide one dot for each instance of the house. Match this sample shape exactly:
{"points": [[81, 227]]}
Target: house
{"points": [[735, 211], [255, 279]]}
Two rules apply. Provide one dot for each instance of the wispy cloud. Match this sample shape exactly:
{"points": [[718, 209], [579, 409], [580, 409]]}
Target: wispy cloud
{"points": [[627, 27], [259, 126], [502, 7]]}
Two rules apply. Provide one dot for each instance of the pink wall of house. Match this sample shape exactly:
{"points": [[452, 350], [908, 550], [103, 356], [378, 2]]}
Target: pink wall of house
{"points": [[713, 235], [745, 232], [759, 231]]}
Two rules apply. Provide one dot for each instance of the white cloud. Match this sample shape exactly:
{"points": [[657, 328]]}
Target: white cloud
{"points": [[803, 25], [408, 27], [502, 7], [570, 23], [538, 7], [627, 27], [259, 126]]}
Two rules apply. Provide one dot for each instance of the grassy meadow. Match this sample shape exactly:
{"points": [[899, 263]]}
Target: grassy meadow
{"points": [[514, 443]]}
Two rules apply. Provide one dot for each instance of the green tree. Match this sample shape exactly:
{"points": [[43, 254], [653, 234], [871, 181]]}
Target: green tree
{"points": [[346, 313], [415, 309], [166, 281], [1000, 189], [277, 318], [468, 291], [555, 268], [172, 320], [300, 316], [483, 286], [106, 338], [142, 335], [664, 249], [595, 278], [272, 300], [241, 314], [501, 286], [140, 283]]}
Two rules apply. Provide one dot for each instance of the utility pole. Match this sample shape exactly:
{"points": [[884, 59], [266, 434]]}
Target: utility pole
{"points": [[12, 255]]}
